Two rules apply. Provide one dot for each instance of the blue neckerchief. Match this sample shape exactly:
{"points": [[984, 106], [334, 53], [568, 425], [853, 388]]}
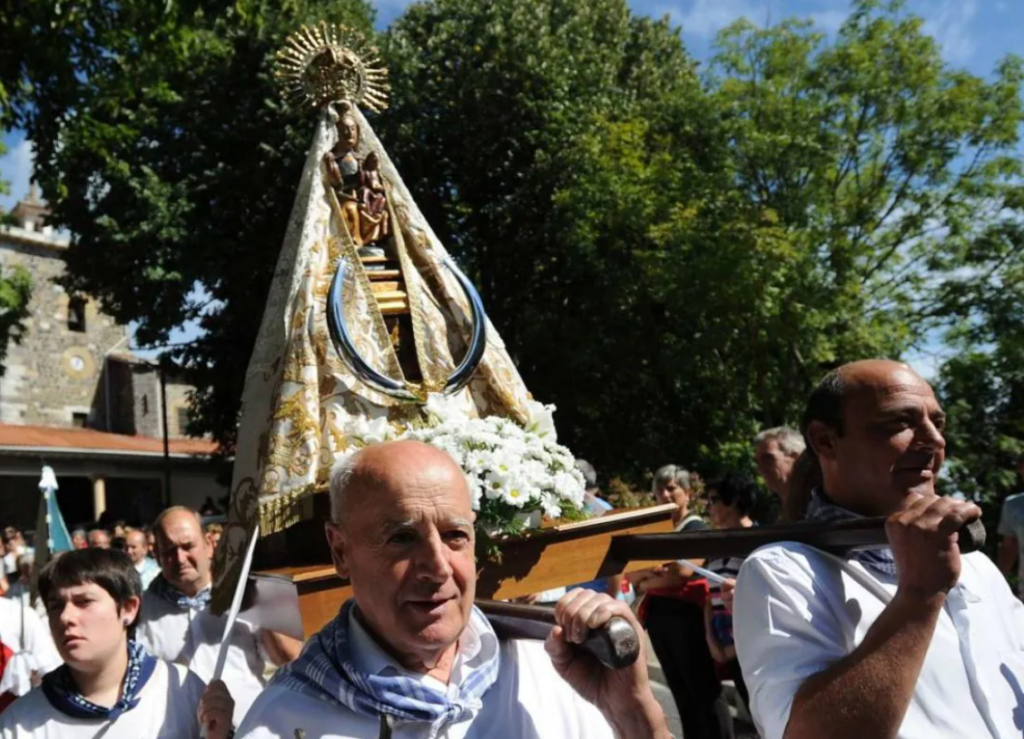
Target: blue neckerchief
{"points": [[60, 689], [821, 508], [325, 669], [168, 592]]}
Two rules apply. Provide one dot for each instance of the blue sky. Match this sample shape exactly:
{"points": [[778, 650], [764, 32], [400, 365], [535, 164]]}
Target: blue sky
{"points": [[974, 34]]}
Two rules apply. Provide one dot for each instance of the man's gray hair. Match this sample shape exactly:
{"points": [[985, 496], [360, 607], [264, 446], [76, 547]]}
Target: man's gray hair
{"points": [[341, 479], [671, 473], [789, 439]]}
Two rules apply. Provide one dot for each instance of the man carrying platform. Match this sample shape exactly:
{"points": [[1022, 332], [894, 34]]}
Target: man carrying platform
{"points": [[410, 655], [175, 622], [916, 641]]}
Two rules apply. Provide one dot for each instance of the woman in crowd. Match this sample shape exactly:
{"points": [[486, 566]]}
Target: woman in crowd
{"points": [[730, 500], [109, 686], [673, 612]]}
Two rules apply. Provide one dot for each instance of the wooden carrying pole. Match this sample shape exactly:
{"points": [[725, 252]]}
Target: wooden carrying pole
{"points": [[616, 645], [838, 537]]}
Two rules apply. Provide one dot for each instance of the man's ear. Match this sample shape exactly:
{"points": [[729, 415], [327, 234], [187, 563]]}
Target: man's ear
{"points": [[822, 439], [337, 541]]}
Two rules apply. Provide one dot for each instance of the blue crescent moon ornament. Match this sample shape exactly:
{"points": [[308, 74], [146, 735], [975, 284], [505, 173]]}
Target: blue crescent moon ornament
{"points": [[399, 389]]}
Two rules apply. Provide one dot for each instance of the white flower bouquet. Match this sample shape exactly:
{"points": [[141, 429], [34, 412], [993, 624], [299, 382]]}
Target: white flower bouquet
{"points": [[513, 471]]}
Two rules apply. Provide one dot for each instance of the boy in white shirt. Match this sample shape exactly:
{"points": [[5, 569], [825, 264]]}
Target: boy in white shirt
{"points": [[110, 686]]}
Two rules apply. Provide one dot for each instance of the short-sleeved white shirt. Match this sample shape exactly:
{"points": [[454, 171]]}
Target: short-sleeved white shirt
{"points": [[529, 699], [166, 710], [799, 610], [191, 638]]}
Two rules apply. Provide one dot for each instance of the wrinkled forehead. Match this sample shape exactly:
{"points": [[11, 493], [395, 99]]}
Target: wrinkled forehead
{"points": [[433, 492]]}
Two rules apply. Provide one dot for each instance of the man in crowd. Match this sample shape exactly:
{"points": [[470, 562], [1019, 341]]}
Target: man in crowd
{"points": [[914, 641], [175, 622], [15, 546], [99, 539], [410, 655], [1011, 532], [78, 539], [775, 453], [138, 550]]}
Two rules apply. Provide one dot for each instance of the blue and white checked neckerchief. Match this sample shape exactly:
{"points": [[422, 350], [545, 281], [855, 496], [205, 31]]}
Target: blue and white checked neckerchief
{"points": [[326, 669], [60, 689], [168, 592], [821, 508]]}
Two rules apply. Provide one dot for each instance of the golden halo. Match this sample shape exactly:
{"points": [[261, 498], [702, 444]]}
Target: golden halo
{"points": [[329, 63]]}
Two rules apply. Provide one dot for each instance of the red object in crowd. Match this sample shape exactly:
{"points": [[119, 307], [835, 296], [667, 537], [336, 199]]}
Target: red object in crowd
{"points": [[694, 591], [5, 657]]}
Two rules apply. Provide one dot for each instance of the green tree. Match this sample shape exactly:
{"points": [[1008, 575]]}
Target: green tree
{"points": [[982, 385], [15, 293], [15, 287], [676, 261]]}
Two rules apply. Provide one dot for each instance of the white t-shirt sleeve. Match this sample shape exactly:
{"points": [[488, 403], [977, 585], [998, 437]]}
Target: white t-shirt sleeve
{"points": [[784, 631], [39, 642]]}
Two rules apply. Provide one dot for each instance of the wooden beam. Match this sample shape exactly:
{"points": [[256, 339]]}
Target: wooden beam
{"points": [[837, 537], [550, 558]]}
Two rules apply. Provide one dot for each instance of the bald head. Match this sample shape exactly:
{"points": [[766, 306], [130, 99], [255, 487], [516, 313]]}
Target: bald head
{"points": [[137, 546], [182, 551], [876, 429], [388, 466]]}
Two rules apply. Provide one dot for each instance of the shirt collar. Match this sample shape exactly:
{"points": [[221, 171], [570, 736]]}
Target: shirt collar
{"points": [[474, 650]]}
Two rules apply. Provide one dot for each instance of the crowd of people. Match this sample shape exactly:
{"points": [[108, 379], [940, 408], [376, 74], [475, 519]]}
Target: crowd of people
{"points": [[914, 640]]}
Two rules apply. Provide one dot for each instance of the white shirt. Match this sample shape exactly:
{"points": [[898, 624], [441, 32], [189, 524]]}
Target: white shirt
{"points": [[799, 610], [529, 699], [166, 710], [148, 569], [191, 638], [28, 637]]}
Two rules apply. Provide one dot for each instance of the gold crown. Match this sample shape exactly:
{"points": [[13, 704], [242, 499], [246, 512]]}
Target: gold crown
{"points": [[330, 63]]}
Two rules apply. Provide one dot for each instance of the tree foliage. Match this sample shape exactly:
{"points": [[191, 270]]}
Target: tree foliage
{"points": [[675, 261], [15, 293]]}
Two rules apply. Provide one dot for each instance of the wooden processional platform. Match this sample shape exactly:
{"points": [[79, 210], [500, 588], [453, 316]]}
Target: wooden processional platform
{"points": [[545, 559]]}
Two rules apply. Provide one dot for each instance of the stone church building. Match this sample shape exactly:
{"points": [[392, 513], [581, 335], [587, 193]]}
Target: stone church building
{"points": [[74, 397]]}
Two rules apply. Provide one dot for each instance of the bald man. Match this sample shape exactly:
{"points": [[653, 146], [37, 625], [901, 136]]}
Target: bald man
{"points": [[410, 656], [138, 550], [99, 539], [915, 641], [176, 625]]}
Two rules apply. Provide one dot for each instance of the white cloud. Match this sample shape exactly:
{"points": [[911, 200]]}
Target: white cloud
{"points": [[708, 17], [949, 22], [16, 169]]}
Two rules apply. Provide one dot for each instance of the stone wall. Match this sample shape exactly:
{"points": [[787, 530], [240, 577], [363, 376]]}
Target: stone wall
{"points": [[146, 399], [55, 373]]}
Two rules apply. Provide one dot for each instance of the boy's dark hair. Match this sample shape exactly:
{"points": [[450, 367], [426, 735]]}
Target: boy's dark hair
{"points": [[111, 569], [735, 489]]}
